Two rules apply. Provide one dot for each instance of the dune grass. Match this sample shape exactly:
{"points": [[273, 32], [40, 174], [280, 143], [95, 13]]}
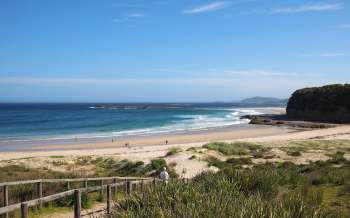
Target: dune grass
{"points": [[236, 148], [172, 151], [320, 189]]}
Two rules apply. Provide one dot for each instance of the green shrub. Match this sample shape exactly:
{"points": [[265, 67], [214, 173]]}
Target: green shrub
{"points": [[294, 153], [229, 193], [236, 148], [193, 157], [337, 158], [172, 151]]}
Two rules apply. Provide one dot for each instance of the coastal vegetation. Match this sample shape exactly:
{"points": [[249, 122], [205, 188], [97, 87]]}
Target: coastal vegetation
{"points": [[235, 148], [244, 187], [307, 178], [329, 103], [172, 151], [270, 190]]}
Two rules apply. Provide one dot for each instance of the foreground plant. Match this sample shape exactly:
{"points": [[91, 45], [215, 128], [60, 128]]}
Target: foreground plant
{"points": [[261, 192]]}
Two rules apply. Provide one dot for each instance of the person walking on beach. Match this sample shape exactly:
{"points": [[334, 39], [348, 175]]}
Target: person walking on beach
{"points": [[164, 175]]}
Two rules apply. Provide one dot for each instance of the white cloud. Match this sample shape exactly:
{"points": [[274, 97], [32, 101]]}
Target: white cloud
{"points": [[308, 8], [214, 6], [324, 55]]}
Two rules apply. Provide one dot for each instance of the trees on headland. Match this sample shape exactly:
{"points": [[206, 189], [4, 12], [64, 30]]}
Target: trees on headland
{"points": [[329, 103]]}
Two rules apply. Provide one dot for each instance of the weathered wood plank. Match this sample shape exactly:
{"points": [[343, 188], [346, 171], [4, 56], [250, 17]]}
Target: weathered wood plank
{"points": [[109, 199], [24, 210], [101, 192], [77, 204], [19, 182], [70, 180], [86, 184], [129, 187], [5, 190], [9, 208], [114, 187], [39, 190]]}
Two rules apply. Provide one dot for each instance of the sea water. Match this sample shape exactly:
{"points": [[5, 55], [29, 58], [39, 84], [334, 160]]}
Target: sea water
{"points": [[47, 122]]}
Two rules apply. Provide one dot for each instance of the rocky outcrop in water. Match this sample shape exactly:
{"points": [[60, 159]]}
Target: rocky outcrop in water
{"points": [[329, 103]]}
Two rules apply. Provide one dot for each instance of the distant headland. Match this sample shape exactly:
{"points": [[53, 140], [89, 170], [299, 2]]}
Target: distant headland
{"points": [[329, 103]]}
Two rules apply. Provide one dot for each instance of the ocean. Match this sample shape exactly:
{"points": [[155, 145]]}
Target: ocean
{"points": [[29, 123]]}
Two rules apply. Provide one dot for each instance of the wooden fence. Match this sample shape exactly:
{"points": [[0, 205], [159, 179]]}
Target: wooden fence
{"points": [[111, 189]]}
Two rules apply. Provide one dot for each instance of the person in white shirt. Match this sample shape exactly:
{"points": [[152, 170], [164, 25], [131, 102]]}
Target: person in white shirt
{"points": [[164, 175]]}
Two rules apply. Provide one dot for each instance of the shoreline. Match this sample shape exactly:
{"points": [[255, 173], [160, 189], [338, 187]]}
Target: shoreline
{"points": [[150, 147], [189, 124], [215, 134], [192, 139]]}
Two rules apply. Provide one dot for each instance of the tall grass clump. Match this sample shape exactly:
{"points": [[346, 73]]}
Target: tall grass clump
{"points": [[235, 148], [172, 151], [263, 192]]}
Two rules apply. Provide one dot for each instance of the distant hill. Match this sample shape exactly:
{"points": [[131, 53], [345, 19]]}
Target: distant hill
{"points": [[328, 103], [264, 101]]}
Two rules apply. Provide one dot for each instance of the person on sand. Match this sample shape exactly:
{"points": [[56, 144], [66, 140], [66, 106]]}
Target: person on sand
{"points": [[164, 175], [166, 141]]}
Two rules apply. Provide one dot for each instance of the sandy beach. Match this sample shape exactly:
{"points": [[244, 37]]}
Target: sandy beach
{"points": [[145, 149], [148, 143]]}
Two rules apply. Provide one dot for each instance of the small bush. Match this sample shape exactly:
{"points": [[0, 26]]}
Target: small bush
{"points": [[337, 158], [294, 153], [59, 156], [236, 148], [239, 161], [172, 151], [193, 157]]}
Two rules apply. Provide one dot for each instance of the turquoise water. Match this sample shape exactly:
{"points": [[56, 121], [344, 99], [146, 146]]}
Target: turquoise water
{"points": [[26, 122]]}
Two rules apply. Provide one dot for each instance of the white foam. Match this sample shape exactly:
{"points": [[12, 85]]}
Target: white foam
{"points": [[193, 122]]}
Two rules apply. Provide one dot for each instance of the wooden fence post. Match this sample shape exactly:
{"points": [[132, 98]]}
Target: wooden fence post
{"points": [[114, 187], [86, 184], [77, 204], [5, 190], [128, 187], [142, 184], [39, 189], [109, 199], [68, 185], [24, 210], [154, 182], [101, 188]]}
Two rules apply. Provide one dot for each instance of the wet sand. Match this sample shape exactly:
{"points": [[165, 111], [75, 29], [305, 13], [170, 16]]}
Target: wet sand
{"points": [[202, 136]]}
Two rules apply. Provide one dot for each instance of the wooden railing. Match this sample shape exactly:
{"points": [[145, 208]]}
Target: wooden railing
{"points": [[111, 189]]}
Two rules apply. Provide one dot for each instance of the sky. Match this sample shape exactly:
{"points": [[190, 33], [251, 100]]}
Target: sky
{"points": [[170, 50]]}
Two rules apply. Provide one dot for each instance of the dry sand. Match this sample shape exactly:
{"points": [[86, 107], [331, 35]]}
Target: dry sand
{"points": [[154, 147]]}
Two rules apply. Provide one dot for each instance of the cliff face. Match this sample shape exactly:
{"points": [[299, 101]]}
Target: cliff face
{"points": [[324, 104]]}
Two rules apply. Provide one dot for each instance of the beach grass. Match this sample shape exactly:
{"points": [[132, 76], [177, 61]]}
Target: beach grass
{"points": [[172, 151], [57, 156], [269, 190], [236, 148]]}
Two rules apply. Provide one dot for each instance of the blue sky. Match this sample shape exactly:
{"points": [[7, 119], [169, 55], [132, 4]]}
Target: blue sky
{"points": [[169, 50]]}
